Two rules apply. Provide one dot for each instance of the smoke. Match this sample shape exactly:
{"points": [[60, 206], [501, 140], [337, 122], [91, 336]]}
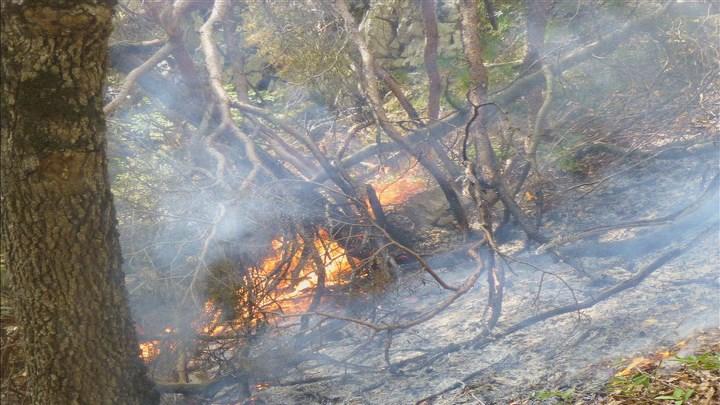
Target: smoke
{"points": [[190, 232]]}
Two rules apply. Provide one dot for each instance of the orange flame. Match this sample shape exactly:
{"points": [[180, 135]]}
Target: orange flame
{"points": [[642, 363], [292, 295], [149, 350], [393, 190]]}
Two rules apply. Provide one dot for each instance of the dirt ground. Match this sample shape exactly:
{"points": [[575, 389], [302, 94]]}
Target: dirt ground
{"points": [[575, 350]]}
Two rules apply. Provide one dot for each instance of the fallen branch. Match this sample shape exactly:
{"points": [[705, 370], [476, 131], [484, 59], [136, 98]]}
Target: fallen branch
{"points": [[605, 294], [484, 339], [709, 192]]}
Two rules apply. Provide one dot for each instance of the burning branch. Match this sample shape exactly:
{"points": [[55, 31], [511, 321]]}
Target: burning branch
{"points": [[370, 84], [465, 286]]}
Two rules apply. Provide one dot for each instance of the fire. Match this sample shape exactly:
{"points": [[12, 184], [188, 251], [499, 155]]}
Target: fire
{"points": [[400, 190], [643, 363], [211, 323], [397, 191], [294, 292], [295, 295], [149, 350]]}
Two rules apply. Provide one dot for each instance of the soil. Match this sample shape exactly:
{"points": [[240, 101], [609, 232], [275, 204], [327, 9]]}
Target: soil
{"points": [[575, 350], [569, 351]]}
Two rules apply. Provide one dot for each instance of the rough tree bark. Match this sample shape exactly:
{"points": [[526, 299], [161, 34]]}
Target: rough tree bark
{"points": [[536, 19], [430, 57], [58, 221]]}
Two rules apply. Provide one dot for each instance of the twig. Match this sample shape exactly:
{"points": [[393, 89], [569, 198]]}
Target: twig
{"points": [[484, 339], [135, 74], [712, 188]]}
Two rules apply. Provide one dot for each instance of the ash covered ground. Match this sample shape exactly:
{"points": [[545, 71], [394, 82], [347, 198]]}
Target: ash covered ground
{"points": [[575, 350]]}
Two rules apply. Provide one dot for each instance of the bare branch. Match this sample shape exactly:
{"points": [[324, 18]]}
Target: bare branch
{"points": [[212, 61], [133, 76]]}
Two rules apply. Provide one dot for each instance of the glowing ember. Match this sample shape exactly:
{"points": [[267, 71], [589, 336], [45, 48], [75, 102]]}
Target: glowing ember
{"points": [[261, 386], [643, 363], [291, 294], [211, 322], [294, 295], [398, 191], [149, 350]]}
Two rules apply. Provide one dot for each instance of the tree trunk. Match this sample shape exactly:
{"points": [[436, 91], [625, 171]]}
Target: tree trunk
{"points": [[536, 19], [430, 57], [469, 24], [486, 167], [58, 222]]}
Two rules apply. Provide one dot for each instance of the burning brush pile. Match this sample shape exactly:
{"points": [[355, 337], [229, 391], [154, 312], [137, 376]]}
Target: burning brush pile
{"points": [[291, 280], [259, 226], [276, 277]]}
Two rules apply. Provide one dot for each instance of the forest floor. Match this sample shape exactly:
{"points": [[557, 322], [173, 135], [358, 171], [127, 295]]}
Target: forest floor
{"points": [[688, 372], [577, 353]]}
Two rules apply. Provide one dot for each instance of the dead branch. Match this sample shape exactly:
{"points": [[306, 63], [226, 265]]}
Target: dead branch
{"points": [[320, 271], [331, 171], [518, 88], [133, 76], [642, 274], [710, 191], [376, 206], [436, 130], [396, 90], [212, 62], [370, 84]]}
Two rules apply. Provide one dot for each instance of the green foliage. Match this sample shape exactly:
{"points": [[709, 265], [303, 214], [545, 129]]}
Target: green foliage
{"points": [[645, 385], [564, 395], [679, 395], [305, 46], [706, 361], [569, 164], [631, 385]]}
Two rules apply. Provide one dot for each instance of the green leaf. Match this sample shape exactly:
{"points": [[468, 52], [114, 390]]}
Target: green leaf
{"points": [[706, 361], [679, 395]]}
